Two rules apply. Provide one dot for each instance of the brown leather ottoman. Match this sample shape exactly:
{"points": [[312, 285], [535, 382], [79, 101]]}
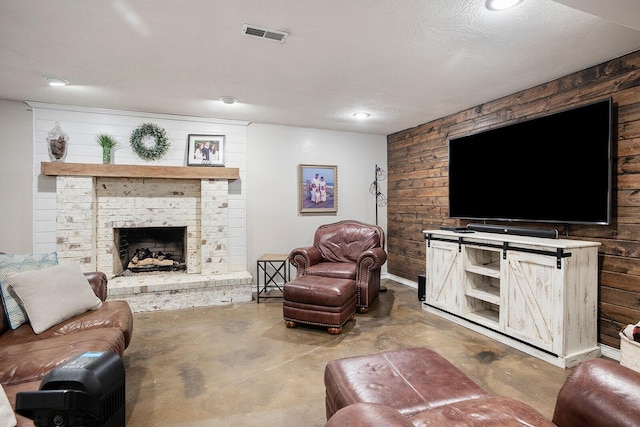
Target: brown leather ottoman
{"points": [[320, 301], [481, 412], [408, 380]]}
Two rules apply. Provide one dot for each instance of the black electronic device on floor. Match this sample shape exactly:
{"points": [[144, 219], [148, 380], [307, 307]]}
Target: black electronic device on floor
{"points": [[87, 390], [422, 287]]}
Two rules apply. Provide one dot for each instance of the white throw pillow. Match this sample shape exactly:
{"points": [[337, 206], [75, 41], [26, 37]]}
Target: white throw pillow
{"points": [[54, 294], [7, 417], [17, 263]]}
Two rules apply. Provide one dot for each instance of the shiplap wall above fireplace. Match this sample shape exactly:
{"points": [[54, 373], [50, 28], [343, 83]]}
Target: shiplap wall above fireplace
{"points": [[84, 124]]}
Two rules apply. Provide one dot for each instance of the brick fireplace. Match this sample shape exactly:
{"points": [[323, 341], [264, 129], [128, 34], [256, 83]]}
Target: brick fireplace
{"points": [[93, 210]]}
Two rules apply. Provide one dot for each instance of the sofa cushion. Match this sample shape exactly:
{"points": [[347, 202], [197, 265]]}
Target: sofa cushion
{"points": [[482, 412], [16, 263], [32, 360], [341, 270], [113, 314], [53, 294]]}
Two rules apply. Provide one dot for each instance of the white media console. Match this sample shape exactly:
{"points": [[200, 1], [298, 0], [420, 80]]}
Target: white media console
{"points": [[537, 295]]}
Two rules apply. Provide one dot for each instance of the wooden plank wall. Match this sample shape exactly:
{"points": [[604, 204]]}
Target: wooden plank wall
{"points": [[417, 181]]}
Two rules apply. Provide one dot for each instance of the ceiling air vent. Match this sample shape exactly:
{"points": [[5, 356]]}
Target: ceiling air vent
{"points": [[264, 33]]}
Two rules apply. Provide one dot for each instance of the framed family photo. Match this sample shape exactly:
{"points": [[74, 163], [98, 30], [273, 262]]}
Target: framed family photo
{"points": [[205, 150], [318, 188]]}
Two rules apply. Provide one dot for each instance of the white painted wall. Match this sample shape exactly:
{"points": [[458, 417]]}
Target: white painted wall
{"points": [[16, 206], [274, 222]]}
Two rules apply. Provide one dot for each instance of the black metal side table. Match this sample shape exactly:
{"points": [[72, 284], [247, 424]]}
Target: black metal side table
{"points": [[272, 267]]}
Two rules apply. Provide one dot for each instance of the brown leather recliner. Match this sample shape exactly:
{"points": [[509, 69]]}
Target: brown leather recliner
{"points": [[347, 250]]}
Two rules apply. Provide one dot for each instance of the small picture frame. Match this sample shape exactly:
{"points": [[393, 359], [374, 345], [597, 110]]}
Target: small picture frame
{"points": [[317, 188], [205, 150]]}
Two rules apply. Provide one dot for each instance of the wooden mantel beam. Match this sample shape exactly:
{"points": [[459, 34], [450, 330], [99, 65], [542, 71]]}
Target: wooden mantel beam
{"points": [[137, 171]]}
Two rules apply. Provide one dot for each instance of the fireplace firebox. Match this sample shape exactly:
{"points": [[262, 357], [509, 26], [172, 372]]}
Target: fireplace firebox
{"points": [[150, 249]]}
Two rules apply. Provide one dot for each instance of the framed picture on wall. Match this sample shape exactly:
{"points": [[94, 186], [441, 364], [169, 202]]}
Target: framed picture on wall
{"points": [[317, 188], [205, 150]]}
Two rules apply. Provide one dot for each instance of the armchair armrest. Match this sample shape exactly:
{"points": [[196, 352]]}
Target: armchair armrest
{"points": [[599, 392], [368, 277], [98, 282], [302, 258], [373, 259]]}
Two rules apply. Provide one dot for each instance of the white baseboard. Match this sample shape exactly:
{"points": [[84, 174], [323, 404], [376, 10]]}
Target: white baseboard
{"points": [[610, 352], [400, 280]]}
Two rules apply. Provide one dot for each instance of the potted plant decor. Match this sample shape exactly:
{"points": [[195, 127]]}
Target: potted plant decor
{"points": [[107, 142]]}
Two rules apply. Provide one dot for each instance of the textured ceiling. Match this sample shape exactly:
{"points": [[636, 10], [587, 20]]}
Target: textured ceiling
{"points": [[406, 62]]}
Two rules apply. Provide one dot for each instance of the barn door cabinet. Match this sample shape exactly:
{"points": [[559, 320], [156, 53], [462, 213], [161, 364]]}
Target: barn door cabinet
{"points": [[537, 295]]}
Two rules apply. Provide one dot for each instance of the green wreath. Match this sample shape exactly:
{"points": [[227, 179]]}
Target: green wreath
{"points": [[145, 151]]}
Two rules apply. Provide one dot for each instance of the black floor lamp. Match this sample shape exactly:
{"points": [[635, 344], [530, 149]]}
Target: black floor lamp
{"points": [[381, 200]]}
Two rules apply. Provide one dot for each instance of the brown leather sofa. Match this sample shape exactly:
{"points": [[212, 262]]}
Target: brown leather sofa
{"points": [[26, 357], [346, 250], [417, 387]]}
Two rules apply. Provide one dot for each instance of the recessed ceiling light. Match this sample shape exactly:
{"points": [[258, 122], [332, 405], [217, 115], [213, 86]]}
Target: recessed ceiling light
{"points": [[501, 4], [228, 99], [56, 81], [361, 115]]}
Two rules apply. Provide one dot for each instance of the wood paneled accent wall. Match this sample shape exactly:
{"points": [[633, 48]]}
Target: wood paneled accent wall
{"points": [[418, 193]]}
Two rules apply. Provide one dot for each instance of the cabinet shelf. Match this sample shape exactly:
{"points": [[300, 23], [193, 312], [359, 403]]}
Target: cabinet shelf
{"points": [[488, 294], [489, 270], [482, 260], [485, 317]]}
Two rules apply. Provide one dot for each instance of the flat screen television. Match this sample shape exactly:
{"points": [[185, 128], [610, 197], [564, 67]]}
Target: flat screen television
{"points": [[553, 169]]}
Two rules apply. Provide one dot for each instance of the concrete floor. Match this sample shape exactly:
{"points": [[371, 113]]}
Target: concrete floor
{"points": [[239, 365]]}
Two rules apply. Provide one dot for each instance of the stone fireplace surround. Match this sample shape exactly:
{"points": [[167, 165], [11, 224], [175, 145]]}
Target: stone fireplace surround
{"points": [[94, 200]]}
